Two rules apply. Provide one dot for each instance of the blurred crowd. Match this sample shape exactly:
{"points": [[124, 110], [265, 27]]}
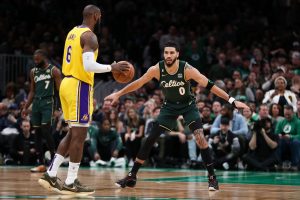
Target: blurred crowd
{"points": [[251, 49]]}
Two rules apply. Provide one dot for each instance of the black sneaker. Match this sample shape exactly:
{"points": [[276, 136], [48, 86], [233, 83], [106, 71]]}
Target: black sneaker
{"points": [[76, 188], [128, 181], [49, 183], [213, 183]]}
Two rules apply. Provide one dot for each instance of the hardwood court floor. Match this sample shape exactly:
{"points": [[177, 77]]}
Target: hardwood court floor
{"points": [[18, 182]]}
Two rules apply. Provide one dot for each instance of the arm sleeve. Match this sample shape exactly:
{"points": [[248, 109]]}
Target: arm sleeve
{"points": [[90, 65]]}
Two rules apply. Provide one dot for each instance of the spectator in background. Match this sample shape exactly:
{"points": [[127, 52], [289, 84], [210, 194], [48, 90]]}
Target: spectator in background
{"points": [[23, 149], [296, 63], [128, 104], [157, 149], [263, 145], [149, 108], [281, 95], [251, 86], [269, 83], [106, 144], [207, 120], [289, 133], [10, 92], [14, 117], [171, 35], [115, 123], [134, 134], [240, 92], [221, 66], [295, 87], [263, 111], [3, 116], [298, 109], [61, 131], [275, 110], [225, 145], [216, 109], [174, 144], [250, 118], [237, 122], [102, 113]]}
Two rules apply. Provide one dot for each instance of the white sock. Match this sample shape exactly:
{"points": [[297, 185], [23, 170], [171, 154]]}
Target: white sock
{"points": [[72, 172], [56, 162]]}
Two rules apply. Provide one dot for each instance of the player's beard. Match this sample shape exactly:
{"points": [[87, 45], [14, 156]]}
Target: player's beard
{"points": [[41, 64], [170, 63]]}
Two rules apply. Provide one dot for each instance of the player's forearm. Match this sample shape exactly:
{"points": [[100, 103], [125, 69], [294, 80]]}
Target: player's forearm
{"points": [[252, 143], [272, 144], [29, 100], [219, 92], [130, 88]]}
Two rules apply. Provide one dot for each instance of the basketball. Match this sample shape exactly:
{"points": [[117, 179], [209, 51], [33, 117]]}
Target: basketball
{"points": [[124, 77]]}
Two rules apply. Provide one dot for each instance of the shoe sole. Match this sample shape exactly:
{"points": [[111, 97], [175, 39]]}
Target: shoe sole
{"points": [[66, 192], [47, 186], [212, 189], [118, 185], [36, 171]]}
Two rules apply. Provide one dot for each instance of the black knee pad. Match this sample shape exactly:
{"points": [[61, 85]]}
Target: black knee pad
{"points": [[155, 132], [196, 125]]}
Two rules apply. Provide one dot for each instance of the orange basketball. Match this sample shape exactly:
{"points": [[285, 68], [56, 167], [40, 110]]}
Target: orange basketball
{"points": [[126, 76]]}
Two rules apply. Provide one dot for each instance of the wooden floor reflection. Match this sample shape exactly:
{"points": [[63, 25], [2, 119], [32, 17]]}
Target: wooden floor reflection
{"points": [[18, 182]]}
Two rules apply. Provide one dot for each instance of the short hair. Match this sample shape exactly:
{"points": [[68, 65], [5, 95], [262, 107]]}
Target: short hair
{"points": [[41, 52], [288, 107], [172, 43]]}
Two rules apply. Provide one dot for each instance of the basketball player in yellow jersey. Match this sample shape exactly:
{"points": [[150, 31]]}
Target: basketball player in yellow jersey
{"points": [[79, 66]]}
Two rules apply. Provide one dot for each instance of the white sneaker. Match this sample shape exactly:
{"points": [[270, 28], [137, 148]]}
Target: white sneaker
{"points": [[112, 162], [101, 162], [131, 163], [240, 165], [120, 162], [225, 165]]}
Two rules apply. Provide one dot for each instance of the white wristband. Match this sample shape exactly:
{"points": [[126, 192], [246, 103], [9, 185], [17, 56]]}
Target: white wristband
{"points": [[231, 100]]}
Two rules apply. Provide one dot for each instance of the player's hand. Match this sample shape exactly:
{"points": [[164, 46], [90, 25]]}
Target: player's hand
{"points": [[122, 66], [113, 98], [239, 104]]}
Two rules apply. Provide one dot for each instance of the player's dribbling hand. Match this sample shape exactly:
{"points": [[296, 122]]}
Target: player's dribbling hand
{"points": [[113, 98], [121, 66]]}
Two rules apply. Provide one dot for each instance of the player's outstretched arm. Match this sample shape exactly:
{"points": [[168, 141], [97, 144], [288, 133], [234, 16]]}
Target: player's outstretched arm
{"points": [[193, 73], [89, 44], [153, 72]]}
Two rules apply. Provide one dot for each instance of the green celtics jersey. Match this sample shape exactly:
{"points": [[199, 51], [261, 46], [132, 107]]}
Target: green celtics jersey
{"points": [[44, 82], [176, 89]]}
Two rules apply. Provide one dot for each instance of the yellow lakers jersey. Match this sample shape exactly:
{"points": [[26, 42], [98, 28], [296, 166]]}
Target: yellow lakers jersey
{"points": [[72, 60]]}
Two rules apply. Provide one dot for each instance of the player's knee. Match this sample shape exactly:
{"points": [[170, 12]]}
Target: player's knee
{"points": [[197, 124]]}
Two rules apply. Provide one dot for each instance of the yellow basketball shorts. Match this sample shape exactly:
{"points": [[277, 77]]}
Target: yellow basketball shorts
{"points": [[77, 101]]}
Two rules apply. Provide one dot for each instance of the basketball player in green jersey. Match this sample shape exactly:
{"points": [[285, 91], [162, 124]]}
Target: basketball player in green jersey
{"points": [[44, 79], [174, 78]]}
